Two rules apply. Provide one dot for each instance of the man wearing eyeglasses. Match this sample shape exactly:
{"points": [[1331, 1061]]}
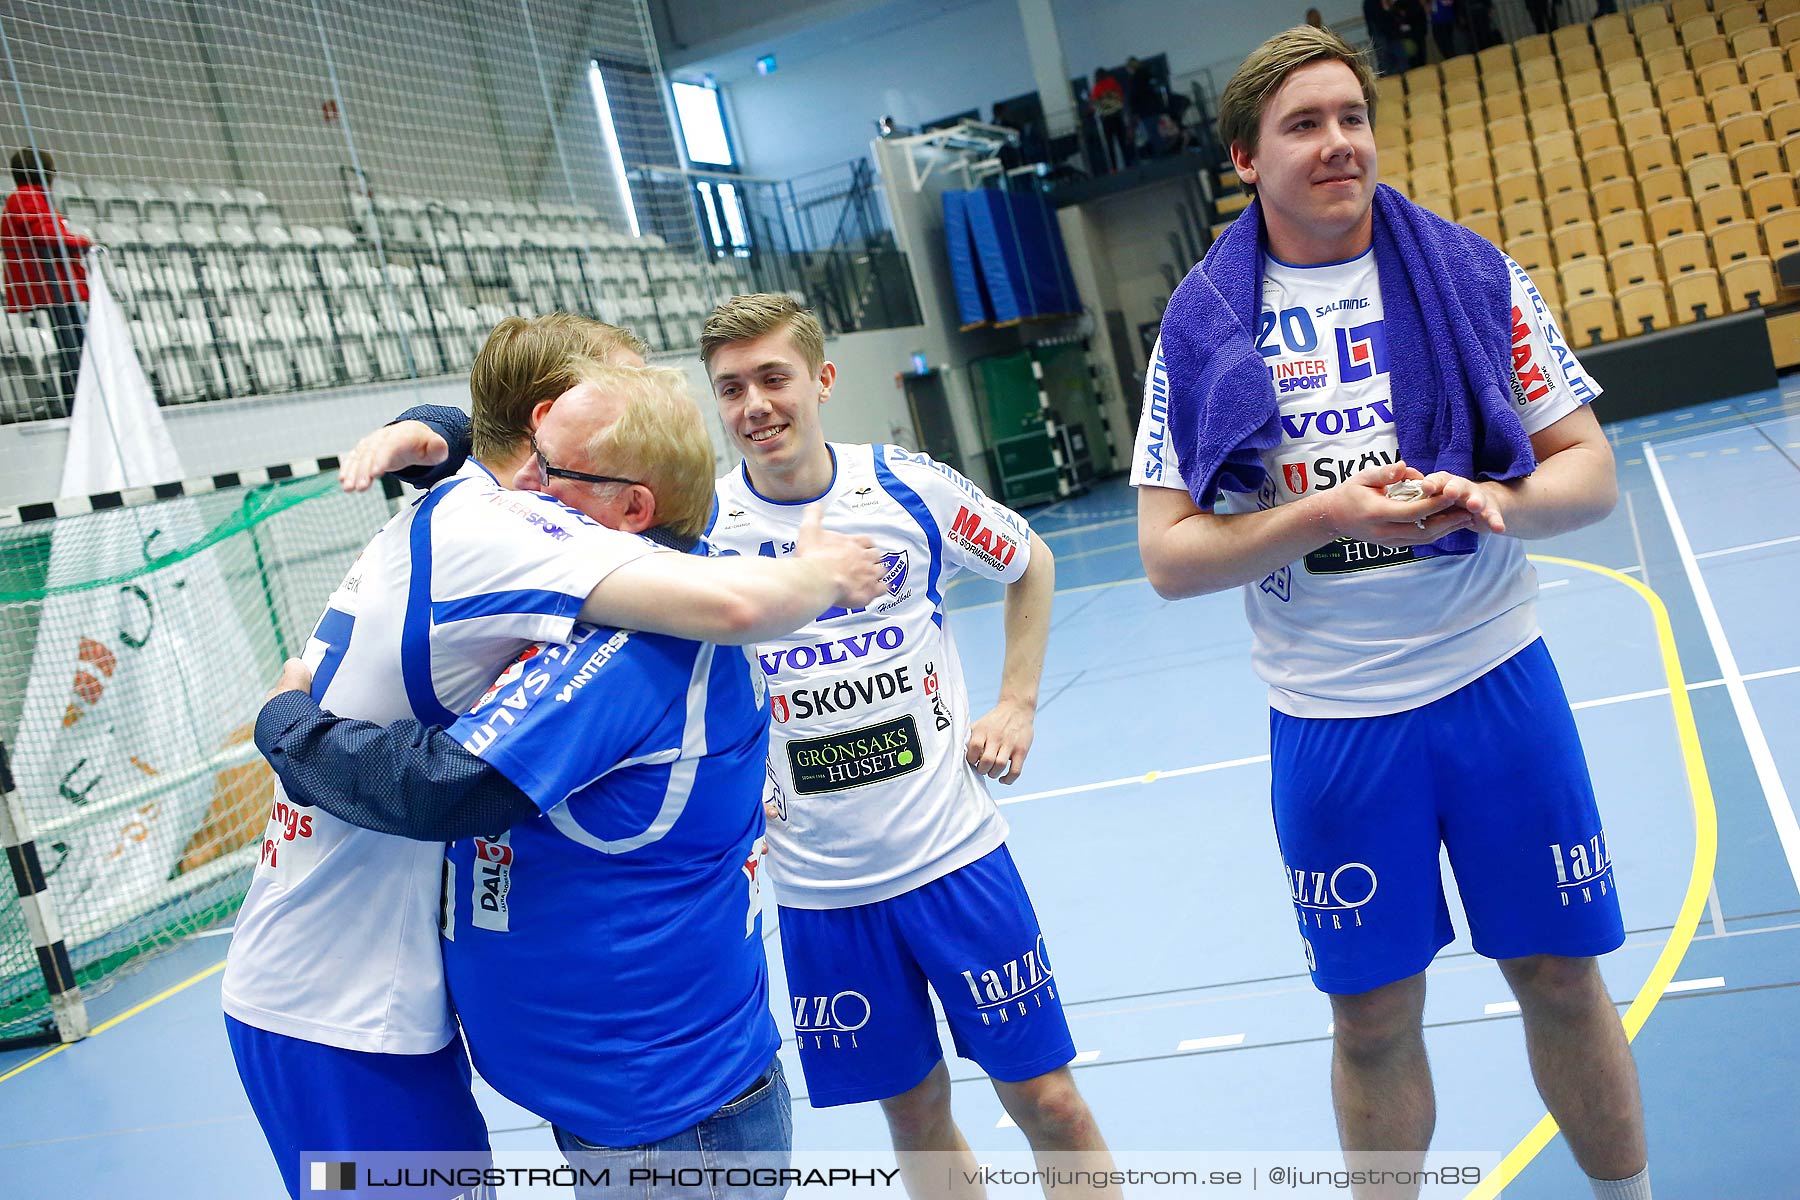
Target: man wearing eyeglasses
{"points": [[334, 992], [605, 794]]}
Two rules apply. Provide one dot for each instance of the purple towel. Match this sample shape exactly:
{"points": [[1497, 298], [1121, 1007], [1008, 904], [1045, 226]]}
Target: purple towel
{"points": [[1447, 306]]}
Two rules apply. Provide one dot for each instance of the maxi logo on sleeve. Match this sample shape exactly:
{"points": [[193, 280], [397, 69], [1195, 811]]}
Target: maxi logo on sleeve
{"points": [[856, 757], [990, 545]]}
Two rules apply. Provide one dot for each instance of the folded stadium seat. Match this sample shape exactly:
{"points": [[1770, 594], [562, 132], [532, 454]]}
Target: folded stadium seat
{"points": [[1531, 252], [1771, 194], [1776, 90], [1590, 322], [1563, 172], [1756, 36], [1671, 218], [1390, 90], [1659, 40], [1701, 26], [1716, 76], [1584, 83], [1585, 110], [1683, 253], [1568, 208], [1615, 195], [1584, 278], [1613, 51], [1729, 102], [1749, 283], [1781, 234], [1708, 174], [423, 341], [1423, 79], [1506, 104], [262, 212], [1538, 73], [1757, 160], [1735, 242], [1508, 132], [1746, 129], [1473, 168], [1793, 57], [1597, 136], [1523, 220], [1465, 90], [1569, 38], [116, 233], [1552, 117], [354, 362], [1697, 142], [1721, 205], [1475, 198], [1638, 125], [1609, 26], [1495, 62], [1624, 70], [1634, 265], [1675, 85], [1465, 116], [1787, 27], [1622, 229], [1759, 65], [1644, 309], [1738, 14], [1648, 17], [1462, 143], [1513, 154], [1577, 60], [1431, 180], [1696, 296], [1711, 50], [1662, 183], [271, 365]]}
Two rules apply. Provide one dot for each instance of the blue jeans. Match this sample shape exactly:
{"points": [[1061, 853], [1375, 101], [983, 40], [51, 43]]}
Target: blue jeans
{"points": [[734, 1150]]}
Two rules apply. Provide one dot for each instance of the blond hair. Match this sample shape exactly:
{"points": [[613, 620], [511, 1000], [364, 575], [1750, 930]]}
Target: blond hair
{"points": [[659, 440], [526, 361], [746, 318], [1246, 97]]}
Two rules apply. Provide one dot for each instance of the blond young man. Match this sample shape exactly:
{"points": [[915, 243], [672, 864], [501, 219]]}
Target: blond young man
{"points": [[887, 854], [334, 990], [1413, 703]]}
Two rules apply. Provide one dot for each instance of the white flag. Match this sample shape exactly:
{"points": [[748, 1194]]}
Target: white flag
{"points": [[141, 672]]}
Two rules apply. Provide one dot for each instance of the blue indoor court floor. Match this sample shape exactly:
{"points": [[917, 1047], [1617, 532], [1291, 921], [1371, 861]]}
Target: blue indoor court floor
{"points": [[1142, 829]]}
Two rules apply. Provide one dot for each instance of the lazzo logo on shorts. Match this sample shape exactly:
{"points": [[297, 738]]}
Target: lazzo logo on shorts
{"points": [[860, 756], [492, 882], [1015, 988], [834, 1018], [1583, 871], [1330, 899]]}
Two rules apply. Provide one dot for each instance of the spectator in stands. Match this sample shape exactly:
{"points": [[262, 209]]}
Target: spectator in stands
{"points": [[1443, 27], [1108, 99], [1409, 21], [1383, 24], [43, 261], [1147, 106]]}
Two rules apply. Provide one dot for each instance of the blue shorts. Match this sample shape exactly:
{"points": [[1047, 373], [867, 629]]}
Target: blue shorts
{"points": [[312, 1098], [1495, 773], [858, 977]]}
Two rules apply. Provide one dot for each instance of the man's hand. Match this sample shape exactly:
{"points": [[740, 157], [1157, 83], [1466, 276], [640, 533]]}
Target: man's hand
{"points": [[852, 563], [391, 448], [1479, 499], [296, 676], [1359, 508], [1000, 740]]}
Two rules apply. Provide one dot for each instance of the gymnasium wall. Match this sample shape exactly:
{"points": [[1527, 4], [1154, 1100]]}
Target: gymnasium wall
{"points": [[819, 108]]}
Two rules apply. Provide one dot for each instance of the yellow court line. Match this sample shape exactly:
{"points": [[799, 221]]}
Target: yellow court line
{"points": [[1706, 850], [133, 1011]]}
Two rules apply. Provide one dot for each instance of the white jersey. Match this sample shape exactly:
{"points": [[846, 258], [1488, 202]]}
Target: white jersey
{"points": [[337, 941], [1353, 629], [869, 713]]}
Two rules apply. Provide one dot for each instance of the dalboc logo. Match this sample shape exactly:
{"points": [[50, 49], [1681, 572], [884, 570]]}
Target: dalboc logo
{"points": [[333, 1177]]}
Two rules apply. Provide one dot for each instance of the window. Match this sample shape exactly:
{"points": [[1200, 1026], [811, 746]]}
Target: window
{"points": [[609, 132], [703, 125]]}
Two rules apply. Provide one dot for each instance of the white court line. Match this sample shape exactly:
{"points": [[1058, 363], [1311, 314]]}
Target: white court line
{"points": [[1787, 828], [1781, 541], [1087, 1056], [1505, 1007], [1006, 1122], [1211, 1043]]}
